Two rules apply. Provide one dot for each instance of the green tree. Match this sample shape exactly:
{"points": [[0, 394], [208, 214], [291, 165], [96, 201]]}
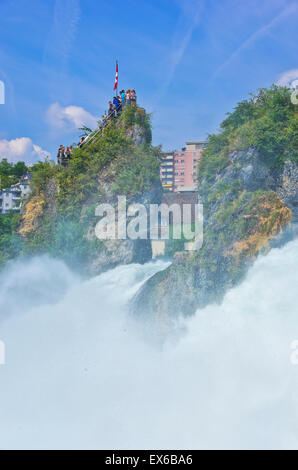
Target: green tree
{"points": [[267, 121], [19, 169]]}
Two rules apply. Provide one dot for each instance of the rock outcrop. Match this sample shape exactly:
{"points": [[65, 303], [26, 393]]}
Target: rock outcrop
{"points": [[248, 207], [60, 216]]}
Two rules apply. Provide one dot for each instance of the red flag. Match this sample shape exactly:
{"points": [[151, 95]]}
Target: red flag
{"points": [[116, 78]]}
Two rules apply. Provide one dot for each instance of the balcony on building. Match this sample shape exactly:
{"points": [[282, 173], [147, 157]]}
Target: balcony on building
{"points": [[196, 144]]}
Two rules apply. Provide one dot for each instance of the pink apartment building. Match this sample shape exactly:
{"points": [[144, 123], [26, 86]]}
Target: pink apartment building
{"points": [[178, 171]]}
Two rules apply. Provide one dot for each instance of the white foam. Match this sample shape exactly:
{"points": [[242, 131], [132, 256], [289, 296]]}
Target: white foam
{"points": [[78, 374]]}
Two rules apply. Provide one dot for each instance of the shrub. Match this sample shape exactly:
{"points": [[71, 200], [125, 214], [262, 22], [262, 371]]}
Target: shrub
{"points": [[267, 121]]}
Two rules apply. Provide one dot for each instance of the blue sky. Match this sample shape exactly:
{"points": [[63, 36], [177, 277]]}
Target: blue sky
{"points": [[190, 62]]}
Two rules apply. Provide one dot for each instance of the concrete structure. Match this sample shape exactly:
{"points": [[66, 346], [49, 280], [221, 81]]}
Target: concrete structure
{"points": [[167, 171], [178, 171], [180, 198], [158, 248], [11, 198]]}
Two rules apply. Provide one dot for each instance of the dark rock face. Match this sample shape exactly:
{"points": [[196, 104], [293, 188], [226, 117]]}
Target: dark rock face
{"points": [[116, 252], [61, 217], [137, 135], [51, 192], [249, 169], [246, 208], [287, 188], [113, 253]]}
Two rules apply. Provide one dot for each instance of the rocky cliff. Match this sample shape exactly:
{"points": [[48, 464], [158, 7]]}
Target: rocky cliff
{"points": [[248, 185], [59, 217]]}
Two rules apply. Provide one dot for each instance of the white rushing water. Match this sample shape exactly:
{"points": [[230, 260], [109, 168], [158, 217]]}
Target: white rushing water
{"points": [[79, 374]]}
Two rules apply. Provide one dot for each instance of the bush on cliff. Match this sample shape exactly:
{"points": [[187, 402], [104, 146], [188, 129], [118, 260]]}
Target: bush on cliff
{"points": [[10, 242], [10, 173], [267, 121], [101, 169]]}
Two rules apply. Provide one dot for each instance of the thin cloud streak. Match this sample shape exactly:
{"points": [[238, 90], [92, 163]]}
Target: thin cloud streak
{"points": [[67, 15], [258, 34], [179, 54]]}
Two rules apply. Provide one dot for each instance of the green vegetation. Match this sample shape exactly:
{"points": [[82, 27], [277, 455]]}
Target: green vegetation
{"points": [[61, 238], [267, 121], [42, 172], [10, 242], [241, 226], [174, 245], [61, 208], [137, 116], [10, 173], [137, 174]]}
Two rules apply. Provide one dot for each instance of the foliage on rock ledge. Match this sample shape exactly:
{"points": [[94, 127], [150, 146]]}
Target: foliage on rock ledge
{"points": [[267, 121], [10, 242], [60, 225], [242, 226]]}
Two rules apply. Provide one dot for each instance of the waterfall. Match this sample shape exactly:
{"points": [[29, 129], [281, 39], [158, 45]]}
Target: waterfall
{"points": [[78, 372]]}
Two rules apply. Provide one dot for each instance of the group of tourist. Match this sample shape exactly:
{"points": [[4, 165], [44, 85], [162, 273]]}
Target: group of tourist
{"points": [[128, 97], [124, 97], [64, 155]]}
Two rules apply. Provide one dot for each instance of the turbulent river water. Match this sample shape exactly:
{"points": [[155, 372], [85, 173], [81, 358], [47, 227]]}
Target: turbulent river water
{"points": [[79, 372]]}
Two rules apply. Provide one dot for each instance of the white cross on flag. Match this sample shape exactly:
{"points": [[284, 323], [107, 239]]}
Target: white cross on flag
{"points": [[116, 78]]}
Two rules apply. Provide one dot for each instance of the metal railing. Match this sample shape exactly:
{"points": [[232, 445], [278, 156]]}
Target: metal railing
{"points": [[112, 115], [99, 132]]}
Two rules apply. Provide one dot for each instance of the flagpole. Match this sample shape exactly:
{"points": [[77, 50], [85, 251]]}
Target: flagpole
{"points": [[117, 78]]}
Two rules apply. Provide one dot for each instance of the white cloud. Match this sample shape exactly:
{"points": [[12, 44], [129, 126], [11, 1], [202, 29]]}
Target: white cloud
{"points": [[22, 149], [288, 77], [69, 117]]}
